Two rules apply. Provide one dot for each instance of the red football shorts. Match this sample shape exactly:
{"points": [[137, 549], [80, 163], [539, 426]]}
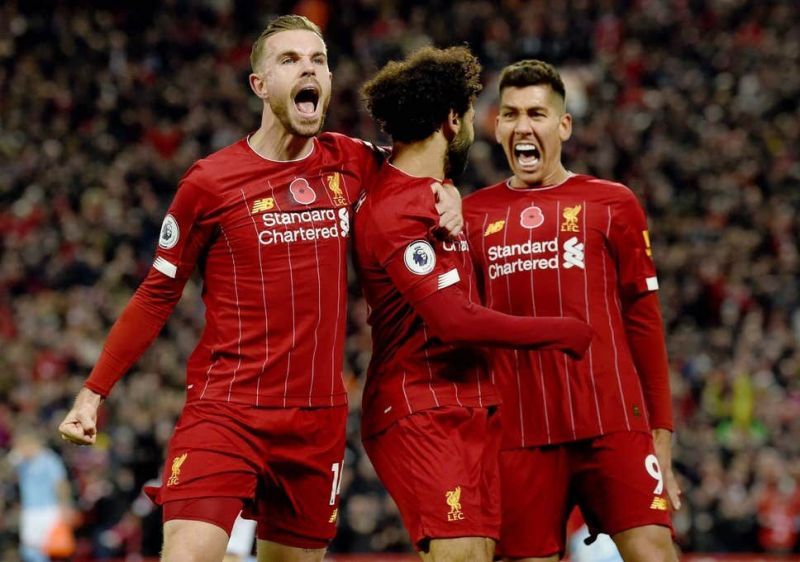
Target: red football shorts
{"points": [[285, 464], [440, 467], [614, 478]]}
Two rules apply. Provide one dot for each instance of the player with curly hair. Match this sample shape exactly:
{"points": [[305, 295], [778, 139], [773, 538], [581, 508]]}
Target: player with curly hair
{"points": [[430, 423]]}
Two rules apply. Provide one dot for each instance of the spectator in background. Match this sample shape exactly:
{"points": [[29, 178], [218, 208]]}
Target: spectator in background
{"points": [[44, 494], [777, 503]]}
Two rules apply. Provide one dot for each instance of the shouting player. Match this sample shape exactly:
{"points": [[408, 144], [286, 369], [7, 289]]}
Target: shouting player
{"points": [[549, 242], [429, 424], [268, 218]]}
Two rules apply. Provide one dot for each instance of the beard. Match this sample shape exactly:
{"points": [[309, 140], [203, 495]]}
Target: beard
{"points": [[457, 155], [281, 110]]}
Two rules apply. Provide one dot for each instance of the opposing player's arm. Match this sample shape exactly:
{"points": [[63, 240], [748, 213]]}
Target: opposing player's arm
{"points": [[430, 281], [183, 234]]}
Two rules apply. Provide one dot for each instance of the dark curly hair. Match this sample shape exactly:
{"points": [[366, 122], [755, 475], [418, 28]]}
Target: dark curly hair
{"points": [[411, 98], [531, 72]]}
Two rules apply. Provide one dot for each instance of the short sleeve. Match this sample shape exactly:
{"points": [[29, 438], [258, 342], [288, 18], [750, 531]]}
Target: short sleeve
{"points": [[186, 227], [630, 242], [406, 246]]}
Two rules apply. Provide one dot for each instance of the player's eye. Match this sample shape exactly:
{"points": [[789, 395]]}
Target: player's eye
{"points": [[319, 60], [287, 60]]}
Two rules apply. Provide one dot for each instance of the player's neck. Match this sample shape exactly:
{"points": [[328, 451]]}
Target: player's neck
{"points": [[273, 142], [421, 159]]}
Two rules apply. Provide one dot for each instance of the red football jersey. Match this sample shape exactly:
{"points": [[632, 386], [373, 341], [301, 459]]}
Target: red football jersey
{"points": [[401, 260], [271, 240], [568, 250]]}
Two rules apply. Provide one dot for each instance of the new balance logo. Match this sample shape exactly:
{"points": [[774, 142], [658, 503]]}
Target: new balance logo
{"points": [[261, 205], [659, 504], [494, 228], [573, 254]]}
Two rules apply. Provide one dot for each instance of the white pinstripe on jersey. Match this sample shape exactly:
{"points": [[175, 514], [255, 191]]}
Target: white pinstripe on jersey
{"points": [[516, 352], [238, 314], [561, 313], [263, 299], [319, 319], [428, 365], [469, 296], [490, 301], [541, 366], [588, 316], [611, 329], [341, 302], [291, 285], [405, 394]]}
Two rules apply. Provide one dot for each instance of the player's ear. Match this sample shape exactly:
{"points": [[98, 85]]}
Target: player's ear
{"points": [[258, 83], [565, 127], [452, 125]]}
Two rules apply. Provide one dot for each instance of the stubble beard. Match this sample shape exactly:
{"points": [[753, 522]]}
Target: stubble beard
{"points": [[281, 112], [457, 156]]}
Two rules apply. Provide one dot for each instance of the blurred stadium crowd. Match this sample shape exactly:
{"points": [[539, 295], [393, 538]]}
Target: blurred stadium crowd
{"points": [[693, 104]]}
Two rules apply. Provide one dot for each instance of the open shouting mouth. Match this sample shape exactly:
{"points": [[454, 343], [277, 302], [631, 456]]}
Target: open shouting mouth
{"points": [[306, 100], [527, 155]]}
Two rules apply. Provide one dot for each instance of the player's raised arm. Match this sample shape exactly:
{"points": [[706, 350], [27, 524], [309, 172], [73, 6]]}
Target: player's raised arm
{"points": [[184, 232]]}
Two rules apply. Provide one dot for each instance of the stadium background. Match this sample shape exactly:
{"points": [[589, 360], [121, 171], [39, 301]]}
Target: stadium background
{"points": [[693, 104]]}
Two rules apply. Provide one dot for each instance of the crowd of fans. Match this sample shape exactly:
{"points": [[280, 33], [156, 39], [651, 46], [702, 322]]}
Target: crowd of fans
{"points": [[692, 104]]}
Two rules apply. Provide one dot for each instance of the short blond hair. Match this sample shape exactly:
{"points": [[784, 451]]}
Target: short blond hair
{"points": [[281, 23]]}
